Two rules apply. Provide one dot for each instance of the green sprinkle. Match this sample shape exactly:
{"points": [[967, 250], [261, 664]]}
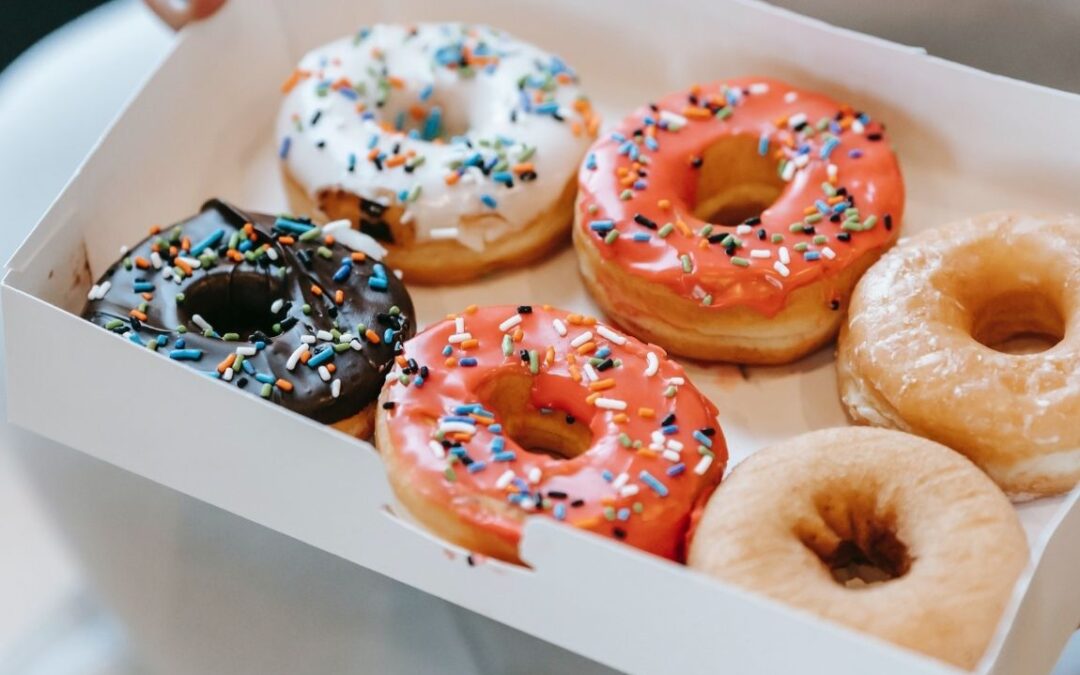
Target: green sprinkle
{"points": [[394, 310], [526, 153], [611, 236], [305, 308], [361, 328], [801, 246], [670, 391], [593, 209], [341, 347], [311, 234], [820, 239], [114, 324], [127, 263], [869, 222], [449, 474], [325, 252], [534, 362], [707, 230], [828, 189], [238, 362], [638, 507], [626, 195], [276, 328], [230, 337], [851, 226], [795, 227], [707, 300], [208, 332], [664, 231], [181, 329], [507, 345], [687, 263], [729, 240], [609, 512], [741, 262], [266, 390], [724, 113], [776, 238], [624, 440], [813, 218]]}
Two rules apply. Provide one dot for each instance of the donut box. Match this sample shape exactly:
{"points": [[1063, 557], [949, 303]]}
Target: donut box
{"points": [[203, 126]]}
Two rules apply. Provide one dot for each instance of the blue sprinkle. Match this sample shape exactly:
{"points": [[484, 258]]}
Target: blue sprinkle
{"points": [[489, 201], [457, 451], [245, 246], [294, 226], [623, 514], [650, 143], [560, 511], [399, 121], [465, 409], [626, 147], [812, 255], [514, 497], [343, 273], [180, 343], [840, 207], [676, 469], [349, 93], [615, 135], [642, 236], [640, 184], [503, 177], [864, 118], [495, 428], [264, 378], [433, 124], [498, 444], [447, 350], [467, 362], [822, 206], [136, 339], [670, 430], [590, 162], [352, 161], [419, 381], [248, 368], [211, 240], [474, 160], [425, 93], [855, 153], [602, 225], [373, 141], [143, 286], [161, 340], [260, 345], [283, 151], [388, 335], [763, 145], [477, 466], [377, 283], [651, 480], [603, 352], [458, 418], [520, 485], [378, 270], [607, 475], [403, 195], [319, 358], [829, 146], [547, 108], [507, 456], [185, 354], [702, 438]]}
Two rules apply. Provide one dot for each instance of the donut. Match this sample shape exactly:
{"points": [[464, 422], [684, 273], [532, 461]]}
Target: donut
{"points": [[947, 544], [926, 347], [455, 146], [731, 221], [307, 317], [499, 413]]}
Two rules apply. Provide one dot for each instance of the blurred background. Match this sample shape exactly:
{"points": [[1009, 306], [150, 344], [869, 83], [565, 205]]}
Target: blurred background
{"points": [[66, 67]]}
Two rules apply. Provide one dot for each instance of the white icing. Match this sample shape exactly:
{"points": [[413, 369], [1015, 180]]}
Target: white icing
{"points": [[476, 108]]}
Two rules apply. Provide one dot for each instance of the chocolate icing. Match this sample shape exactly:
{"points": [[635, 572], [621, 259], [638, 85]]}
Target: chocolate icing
{"points": [[237, 297]]}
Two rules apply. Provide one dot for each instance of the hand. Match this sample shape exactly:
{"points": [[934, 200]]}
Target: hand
{"points": [[177, 13]]}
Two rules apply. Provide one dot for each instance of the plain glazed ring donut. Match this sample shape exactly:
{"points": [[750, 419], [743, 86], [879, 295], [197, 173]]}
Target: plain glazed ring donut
{"points": [[730, 222], [455, 146], [502, 412], [304, 317], [946, 539], [921, 349]]}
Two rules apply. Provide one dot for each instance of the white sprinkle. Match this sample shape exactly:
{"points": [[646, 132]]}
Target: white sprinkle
{"points": [[355, 344], [92, 295], [398, 274], [652, 364], [674, 120], [333, 227], [560, 327], [276, 306], [610, 404], [167, 273], [335, 386], [246, 350], [324, 373], [801, 160], [324, 335], [123, 250], [528, 503], [294, 358], [759, 88], [459, 324], [105, 286], [590, 372], [407, 217], [155, 259], [503, 480], [354, 239], [671, 456], [658, 438], [459, 337], [703, 465], [534, 475], [307, 339], [857, 127], [629, 490], [776, 283], [510, 323], [674, 445], [789, 172], [760, 253], [796, 120], [781, 268], [228, 374], [828, 252], [444, 233], [743, 229], [678, 381], [832, 172], [791, 97], [437, 449], [783, 254], [620, 480], [457, 427], [611, 335], [191, 262], [271, 253], [581, 339], [201, 322], [346, 338]]}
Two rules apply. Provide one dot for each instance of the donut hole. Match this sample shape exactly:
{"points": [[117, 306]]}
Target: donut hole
{"points": [[856, 542], [543, 430], [430, 119], [232, 302], [1019, 322], [735, 182]]}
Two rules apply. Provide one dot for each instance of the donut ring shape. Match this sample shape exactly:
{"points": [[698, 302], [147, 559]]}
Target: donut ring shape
{"points": [[639, 447], [790, 513], [664, 254], [910, 355], [456, 146]]}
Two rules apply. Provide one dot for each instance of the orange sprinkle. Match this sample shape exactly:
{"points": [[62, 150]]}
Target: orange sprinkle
{"points": [[329, 240], [575, 374], [185, 243], [682, 227], [395, 82], [480, 419], [452, 178], [358, 256], [155, 229], [576, 128], [331, 367], [621, 418], [523, 167], [587, 347], [471, 343], [235, 256], [147, 296], [226, 363], [339, 297], [601, 385], [283, 384], [518, 334], [287, 239], [184, 266], [142, 263], [647, 413], [304, 356], [471, 309], [293, 80], [394, 160], [450, 362], [696, 112], [592, 397], [137, 314], [665, 204], [315, 289], [372, 336], [401, 360], [646, 452]]}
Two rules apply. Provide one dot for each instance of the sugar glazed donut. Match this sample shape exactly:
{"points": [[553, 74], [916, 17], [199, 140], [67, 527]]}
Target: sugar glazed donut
{"points": [[499, 413], [923, 346], [730, 222], [947, 542], [455, 146], [306, 316]]}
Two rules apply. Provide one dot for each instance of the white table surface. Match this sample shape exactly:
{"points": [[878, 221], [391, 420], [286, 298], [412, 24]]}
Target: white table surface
{"points": [[195, 589]]}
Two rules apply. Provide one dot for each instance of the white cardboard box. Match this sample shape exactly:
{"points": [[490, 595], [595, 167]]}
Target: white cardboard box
{"points": [[203, 126]]}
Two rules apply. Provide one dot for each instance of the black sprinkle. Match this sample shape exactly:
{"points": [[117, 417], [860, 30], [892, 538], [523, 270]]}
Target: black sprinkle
{"points": [[556, 494], [844, 236], [315, 117], [752, 221], [873, 137], [834, 304], [471, 560], [709, 431], [320, 144], [669, 420], [242, 382], [888, 221], [640, 219], [577, 503], [605, 364], [570, 419], [524, 309], [389, 405], [619, 533], [696, 162]]}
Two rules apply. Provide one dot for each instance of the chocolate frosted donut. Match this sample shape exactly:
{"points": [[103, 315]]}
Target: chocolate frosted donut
{"points": [[305, 316]]}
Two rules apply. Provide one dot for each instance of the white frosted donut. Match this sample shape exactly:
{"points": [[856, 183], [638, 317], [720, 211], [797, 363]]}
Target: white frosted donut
{"points": [[918, 350], [947, 541], [460, 142]]}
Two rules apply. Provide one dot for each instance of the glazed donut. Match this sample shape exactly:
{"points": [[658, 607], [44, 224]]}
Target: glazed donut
{"points": [[730, 222], [498, 413], [949, 543], [305, 316], [921, 348], [453, 145]]}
